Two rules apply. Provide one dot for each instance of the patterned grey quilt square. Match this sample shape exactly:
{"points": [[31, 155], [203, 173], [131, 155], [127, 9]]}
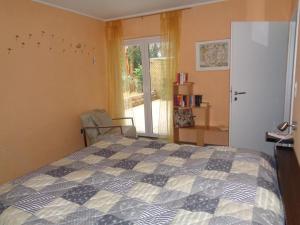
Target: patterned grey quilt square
{"points": [[60, 172], [182, 154], [16, 194], [261, 182], [98, 180], [219, 165], [197, 203], [118, 185], [155, 179], [58, 188], [116, 147], [105, 153], [113, 220], [129, 209], [263, 216], [2, 207], [80, 194], [228, 220], [132, 175], [82, 216], [240, 192], [37, 221], [223, 155], [126, 164], [156, 215], [156, 145], [35, 202], [166, 170]]}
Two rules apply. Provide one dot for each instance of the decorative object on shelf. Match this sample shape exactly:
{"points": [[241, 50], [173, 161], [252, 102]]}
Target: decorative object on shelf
{"points": [[183, 117], [181, 78], [213, 55]]}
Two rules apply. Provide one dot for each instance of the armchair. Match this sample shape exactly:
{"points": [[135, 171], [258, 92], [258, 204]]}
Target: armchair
{"points": [[97, 122]]}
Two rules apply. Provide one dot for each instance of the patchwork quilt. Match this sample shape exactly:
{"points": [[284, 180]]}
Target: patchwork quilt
{"points": [[124, 181]]}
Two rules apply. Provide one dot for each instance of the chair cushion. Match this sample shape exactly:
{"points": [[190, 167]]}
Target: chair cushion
{"points": [[87, 121], [128, 131], [101, 118]]}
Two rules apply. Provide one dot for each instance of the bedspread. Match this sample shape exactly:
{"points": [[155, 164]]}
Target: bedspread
{"points": [[126, 181]]}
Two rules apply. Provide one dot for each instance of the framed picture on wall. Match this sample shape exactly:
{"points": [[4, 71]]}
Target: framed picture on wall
{"points": [[213, 55]]}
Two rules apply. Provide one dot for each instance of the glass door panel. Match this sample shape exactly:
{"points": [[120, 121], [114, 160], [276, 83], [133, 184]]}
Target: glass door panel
{"points": [[134, 91]]}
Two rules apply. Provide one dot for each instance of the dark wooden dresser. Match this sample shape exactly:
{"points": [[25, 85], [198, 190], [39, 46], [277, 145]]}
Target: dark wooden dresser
{"points": [[289, 182]]}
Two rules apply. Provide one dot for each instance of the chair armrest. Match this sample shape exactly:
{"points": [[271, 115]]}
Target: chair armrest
{"points": [[125, 118]]}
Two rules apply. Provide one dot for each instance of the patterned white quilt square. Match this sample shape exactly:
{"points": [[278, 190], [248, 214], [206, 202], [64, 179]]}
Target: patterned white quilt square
{"points": [[174, 161], [18, 218], [62, 162], [39, 182], [112, 171], [57, 210], [202, 155], [147, 151], [92, 159], [78, 176], [267, 200], [145, 167], [120, 155], [171, 147], [102, 144], [192, 218], [244, 167], [145, 192], [238, 210], [126, 141], [264, 163], [103, 201], [214, 174], [4, 188], [182, 183]]}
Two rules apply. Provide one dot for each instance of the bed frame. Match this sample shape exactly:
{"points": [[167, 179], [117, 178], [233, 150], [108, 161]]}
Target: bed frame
{"points": [[288, 171]]}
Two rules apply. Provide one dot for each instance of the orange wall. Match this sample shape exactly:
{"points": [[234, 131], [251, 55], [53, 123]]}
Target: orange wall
{"points": [[43, 91], [211, 22]]}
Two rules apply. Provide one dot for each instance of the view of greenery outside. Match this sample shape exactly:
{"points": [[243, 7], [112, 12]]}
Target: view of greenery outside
{"points": [[134, 67]]}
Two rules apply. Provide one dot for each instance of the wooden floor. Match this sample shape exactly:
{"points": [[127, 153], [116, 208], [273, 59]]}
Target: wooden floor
{"points": [[289, 181]]}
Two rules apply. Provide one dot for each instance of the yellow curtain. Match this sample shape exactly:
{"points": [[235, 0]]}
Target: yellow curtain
{"points": [[114, 51], [170, 25]]}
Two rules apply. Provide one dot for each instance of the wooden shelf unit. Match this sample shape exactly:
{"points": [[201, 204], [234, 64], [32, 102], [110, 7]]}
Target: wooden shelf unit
{"points": [[202, 133], [187, 89]]}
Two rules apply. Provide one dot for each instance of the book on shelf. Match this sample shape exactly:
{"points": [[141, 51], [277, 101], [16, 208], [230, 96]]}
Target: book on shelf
{"points": [[181, 78], [183, 100]]}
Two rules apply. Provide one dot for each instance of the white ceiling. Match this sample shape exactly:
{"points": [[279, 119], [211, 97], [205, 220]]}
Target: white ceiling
{"points": [[117, 9]]}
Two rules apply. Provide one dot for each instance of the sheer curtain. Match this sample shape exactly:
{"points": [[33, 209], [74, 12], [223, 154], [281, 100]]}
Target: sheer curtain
{"points": [[115, 59], [170, 25]]}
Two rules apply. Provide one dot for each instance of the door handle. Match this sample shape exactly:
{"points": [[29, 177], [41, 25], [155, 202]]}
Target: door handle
{"points": [[240, 93]]}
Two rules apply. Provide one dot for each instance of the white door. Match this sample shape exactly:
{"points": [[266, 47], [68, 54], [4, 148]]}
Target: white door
{"points": [[257, 80]]}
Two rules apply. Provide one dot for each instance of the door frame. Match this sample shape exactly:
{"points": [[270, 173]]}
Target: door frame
{"points": [[144, 43]]}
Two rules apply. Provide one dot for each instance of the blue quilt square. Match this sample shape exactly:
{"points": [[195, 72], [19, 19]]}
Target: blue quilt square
{"points": [[80, 194], [60, 172]]}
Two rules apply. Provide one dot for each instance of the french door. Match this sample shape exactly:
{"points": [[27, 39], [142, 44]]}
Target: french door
{"points": [[142, 70]]}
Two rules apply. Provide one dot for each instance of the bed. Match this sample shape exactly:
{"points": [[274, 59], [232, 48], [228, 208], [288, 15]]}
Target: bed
{"points": [[141, 181]]}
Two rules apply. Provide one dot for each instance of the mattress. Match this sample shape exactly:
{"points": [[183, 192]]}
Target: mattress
{"points": [[141, 181]]}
